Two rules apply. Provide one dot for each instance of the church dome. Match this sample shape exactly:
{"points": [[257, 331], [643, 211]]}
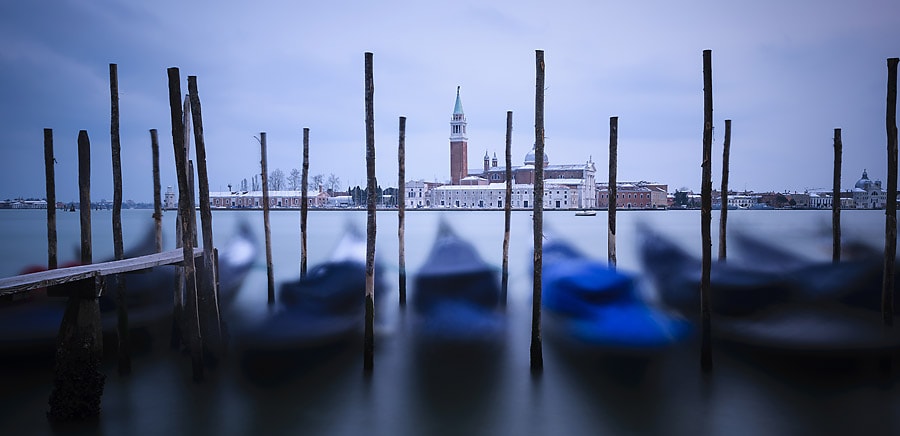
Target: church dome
{"points": [[864, 182], [530, 158]]}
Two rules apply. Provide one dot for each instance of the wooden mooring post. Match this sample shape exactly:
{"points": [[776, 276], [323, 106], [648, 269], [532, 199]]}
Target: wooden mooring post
{"points": [[78, 383], [612, 190], [50, 176], [537, 355], [401, 208], [507, 212], [371, 185], [264, 165], [209, 290], [185, 208], [304, 201], [836, 199], [706, 215], [124, 343], [723, 194], [890, 206], [157, 195]]}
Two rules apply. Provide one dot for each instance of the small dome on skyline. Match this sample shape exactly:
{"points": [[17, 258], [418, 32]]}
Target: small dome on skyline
{"points": [[530, 158]]}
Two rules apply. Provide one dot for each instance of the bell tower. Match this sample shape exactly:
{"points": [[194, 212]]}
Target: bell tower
{"points": [[459, 160]]}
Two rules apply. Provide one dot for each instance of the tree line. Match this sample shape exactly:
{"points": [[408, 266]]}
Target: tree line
{"points": [[279, 181]]}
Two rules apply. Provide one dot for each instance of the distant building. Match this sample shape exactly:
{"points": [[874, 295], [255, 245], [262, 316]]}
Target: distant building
{"points": [[867, 194], [277, 199], [477, 188]]}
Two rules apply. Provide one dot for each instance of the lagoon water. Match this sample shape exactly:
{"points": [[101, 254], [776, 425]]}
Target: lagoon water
{"points": [[671, 396]]}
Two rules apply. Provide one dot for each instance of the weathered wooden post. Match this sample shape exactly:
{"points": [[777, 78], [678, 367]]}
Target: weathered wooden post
{"points": [[270, 274], [124, 350], [723, 215], [537, 355], [209, 296], [612, 190], [304, 201], [371, 186], [507, 212], [401, 208], [890, 206], [157, 197], [836, 199], [186, 210], [78, 383], [50, 176], [706, 214]]}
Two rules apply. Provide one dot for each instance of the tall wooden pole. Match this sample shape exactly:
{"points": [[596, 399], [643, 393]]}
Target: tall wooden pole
{"points": [[371, 185], [613, 191], [185, 208], [537, 355], [723, 215], [78, 384], [890, 206], [265, 189], [50, 176], [209, 296], [124, 350], [507, 212], [401, 207], [706, 213], [836, 199], [304, 201], [157, 195], [84, 195]]}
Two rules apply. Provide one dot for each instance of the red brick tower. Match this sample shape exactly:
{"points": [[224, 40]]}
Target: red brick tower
{"points": [[459, 159]]}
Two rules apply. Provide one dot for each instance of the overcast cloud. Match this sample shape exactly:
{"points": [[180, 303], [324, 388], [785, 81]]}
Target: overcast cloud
{"points": [[786, 72]]}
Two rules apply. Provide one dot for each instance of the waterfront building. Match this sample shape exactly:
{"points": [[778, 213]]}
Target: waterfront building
{"points": [[491, 196], [634, 195], [867, 194], [277, 199]]}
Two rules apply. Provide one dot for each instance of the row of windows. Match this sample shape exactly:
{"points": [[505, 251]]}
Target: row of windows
{"points": [[624, 196]]}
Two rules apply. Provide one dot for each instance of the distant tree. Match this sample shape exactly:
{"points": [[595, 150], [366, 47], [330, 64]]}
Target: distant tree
{"points": [[277, 180], [244, 185], [681, 198], [317, 181], [332, 183], [780, 200], [256, 185], [294, 180]]}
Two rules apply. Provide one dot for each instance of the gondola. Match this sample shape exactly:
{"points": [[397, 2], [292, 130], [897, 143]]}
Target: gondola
{"points": [[318, 317], [592, 308], [815, 310], [459, 321]]}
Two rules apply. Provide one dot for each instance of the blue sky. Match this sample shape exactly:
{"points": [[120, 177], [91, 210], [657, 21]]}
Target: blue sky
{"points": [[786, 72]]}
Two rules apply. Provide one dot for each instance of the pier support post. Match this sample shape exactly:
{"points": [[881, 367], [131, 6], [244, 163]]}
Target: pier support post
{"points": [[185, 209], [890, 206], [723, 194], [612, 190], [371, 186], [304, 202], [507, 212], [401, 208], [77, 383], [537, 355], [209, 291], [706, 214], [836, 199]]}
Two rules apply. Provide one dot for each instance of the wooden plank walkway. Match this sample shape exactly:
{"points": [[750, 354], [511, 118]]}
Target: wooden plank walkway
{"points": [[27, 282]]}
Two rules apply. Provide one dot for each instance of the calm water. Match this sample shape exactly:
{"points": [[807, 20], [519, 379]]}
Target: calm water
{"points": [[571, 397]]}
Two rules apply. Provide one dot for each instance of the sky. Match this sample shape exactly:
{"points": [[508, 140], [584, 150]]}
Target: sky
{"points": [[787, 73]]}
